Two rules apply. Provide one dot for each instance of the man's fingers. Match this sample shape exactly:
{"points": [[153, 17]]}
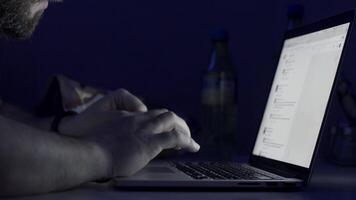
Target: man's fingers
{"points": [[175, 140], [124, 100], [166, 122], [169, 131], [182, 125], [154, 113]]}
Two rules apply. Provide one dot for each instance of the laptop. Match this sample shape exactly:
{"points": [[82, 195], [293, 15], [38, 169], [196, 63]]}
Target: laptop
{"points": [[291, 126]]}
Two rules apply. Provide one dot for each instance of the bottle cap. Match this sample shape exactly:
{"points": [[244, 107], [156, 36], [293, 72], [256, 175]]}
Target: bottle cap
{"points": [[219, 35], [295, 10]]}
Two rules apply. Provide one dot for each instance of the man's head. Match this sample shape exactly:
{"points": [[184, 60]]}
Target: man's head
{"points": [[19, 18]]}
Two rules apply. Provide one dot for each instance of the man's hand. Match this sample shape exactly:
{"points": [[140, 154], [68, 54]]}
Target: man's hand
{"points": [[131, 140], [130, 135], [120, 100]]}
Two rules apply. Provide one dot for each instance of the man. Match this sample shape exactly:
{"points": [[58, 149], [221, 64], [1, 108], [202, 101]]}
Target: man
{"points": [[117, 136]]}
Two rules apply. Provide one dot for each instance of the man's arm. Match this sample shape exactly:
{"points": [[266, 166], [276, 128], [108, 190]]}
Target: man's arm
{"points": [[112, 143], [34, 161], [118, 100]]}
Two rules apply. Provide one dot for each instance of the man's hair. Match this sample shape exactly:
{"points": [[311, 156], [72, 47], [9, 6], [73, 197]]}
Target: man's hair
{"points": [[15, 21]]}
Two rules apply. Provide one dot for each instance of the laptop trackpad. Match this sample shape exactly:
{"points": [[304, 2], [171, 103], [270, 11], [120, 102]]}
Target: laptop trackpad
{"points": [[158, 170]]}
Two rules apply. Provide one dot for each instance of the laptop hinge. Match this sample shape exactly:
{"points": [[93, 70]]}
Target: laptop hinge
{"points": [[274, 170]]}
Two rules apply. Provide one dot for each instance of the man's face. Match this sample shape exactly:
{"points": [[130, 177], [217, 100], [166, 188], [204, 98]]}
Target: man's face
{"points": [[19, 18]]}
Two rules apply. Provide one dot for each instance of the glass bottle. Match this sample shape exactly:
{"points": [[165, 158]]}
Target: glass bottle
{"points": [[295, 15], [219, 99]]}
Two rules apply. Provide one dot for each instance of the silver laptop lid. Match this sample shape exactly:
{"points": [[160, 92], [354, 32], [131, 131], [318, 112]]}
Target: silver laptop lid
{"points": [[299, 96]]}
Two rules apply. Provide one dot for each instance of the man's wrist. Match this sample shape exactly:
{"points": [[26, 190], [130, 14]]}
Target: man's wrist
{"points": [[99, 159], [101, 162]]}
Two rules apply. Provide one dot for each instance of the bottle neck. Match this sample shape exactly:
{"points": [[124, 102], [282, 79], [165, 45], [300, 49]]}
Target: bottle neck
{"points": [[294, 23], [220, 57]]}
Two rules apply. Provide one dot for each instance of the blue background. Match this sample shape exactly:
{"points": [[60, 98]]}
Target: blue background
{"points": [[157, 49]]}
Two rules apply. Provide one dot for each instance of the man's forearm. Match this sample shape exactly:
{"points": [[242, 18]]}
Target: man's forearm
{"points": [[15, 113], [34, 161]]}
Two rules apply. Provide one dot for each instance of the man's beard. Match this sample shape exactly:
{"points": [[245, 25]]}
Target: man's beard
{"points": [[15, 18]]}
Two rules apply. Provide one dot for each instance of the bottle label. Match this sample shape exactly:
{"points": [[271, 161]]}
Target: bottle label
{"points": [[218, 89], [211, 90]]}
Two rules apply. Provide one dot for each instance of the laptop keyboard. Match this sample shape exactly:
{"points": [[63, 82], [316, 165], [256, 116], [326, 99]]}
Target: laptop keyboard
{"points": [[220, 171]]}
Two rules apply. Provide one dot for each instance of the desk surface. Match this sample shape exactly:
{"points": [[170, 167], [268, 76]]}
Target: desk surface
{"points": [[328, 182]]}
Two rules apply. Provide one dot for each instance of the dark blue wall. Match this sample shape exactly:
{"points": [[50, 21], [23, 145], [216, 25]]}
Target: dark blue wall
{"points": [[157, 49]]}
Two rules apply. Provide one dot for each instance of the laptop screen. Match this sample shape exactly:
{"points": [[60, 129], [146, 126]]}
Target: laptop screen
{"points": [[299, 96]]}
